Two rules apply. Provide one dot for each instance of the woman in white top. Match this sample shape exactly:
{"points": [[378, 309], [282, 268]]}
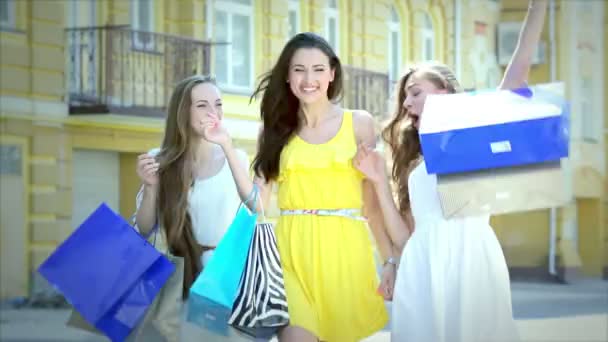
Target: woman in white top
{"points": [[188, 182], [452, 282]]}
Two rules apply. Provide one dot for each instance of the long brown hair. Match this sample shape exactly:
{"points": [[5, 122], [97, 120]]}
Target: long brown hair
{"points": [[402, 137], [175, 179], [279, 106]]}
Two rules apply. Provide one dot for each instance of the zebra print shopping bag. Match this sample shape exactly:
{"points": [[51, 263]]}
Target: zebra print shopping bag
{"points": [[260, 309]]}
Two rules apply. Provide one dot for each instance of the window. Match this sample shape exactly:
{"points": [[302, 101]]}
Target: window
{"points": [[394, 46], [8, 13], [142, 19], [332, 24], [428, 39], [10, 160], [294, 18], [233, 24]]}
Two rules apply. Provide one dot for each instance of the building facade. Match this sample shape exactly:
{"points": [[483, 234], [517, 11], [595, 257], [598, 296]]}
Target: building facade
{"points": [[83, 85]]}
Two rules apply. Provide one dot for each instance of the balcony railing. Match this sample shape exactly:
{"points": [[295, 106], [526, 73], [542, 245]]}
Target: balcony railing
{"points": [[366, 89], [114, 69]]}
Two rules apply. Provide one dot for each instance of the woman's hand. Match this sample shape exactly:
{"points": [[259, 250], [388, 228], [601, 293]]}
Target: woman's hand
{"points": [[147, 169], [370, 163], [214, 130], [387, 281]]}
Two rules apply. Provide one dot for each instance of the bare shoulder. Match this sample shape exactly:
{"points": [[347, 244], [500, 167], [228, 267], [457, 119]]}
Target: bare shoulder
{"points": [[362, 117], [364, 127]]}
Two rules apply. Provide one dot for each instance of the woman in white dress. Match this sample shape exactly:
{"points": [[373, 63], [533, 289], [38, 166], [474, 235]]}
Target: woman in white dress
{"points": [[188, 180], [452, 282]]}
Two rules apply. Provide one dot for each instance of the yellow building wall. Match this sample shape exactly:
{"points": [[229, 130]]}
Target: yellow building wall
{"points": [[605, 187], [588, 251], [592, 237], [31, 83], [524, 236], [14, 213], [586, 156], [272, 32], [185, 18], [32, 62], [49, 165], [585, 213], [129, 184], [32, 69]]}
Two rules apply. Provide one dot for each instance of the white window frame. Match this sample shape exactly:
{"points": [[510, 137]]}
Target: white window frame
{"points": [[233, 8], [394, 26], [11, 22], [135, 23], [428, 37], [333, 13], [293, 7]]}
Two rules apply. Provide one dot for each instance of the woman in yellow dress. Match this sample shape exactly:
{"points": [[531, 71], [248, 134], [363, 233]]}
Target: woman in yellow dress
{"points": [[306, 147]]}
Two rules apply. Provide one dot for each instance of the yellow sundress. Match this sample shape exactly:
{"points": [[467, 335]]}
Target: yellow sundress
{"points": [[329, 270]]}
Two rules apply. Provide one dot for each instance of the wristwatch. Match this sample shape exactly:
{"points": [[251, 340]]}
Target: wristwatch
{"points": [[391, 261]]}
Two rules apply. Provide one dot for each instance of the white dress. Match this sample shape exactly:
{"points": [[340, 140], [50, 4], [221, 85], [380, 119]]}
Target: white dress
{"points": [[452, 283], [212, 205]]}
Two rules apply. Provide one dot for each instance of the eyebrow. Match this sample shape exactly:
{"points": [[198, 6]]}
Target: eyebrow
{"points": [[218, 100], [314, 66], [411, 85]]}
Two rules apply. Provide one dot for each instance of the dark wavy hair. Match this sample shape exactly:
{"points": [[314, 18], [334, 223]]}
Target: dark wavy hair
{"points": [[279, 106]]}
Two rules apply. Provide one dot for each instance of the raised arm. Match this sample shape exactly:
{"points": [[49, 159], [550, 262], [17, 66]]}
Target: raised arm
{"points": [[216, 133], [516, 74], [244, 184]]}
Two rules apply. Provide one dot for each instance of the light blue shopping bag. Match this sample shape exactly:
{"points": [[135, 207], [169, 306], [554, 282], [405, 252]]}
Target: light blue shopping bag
{"points": [[216, 288]]}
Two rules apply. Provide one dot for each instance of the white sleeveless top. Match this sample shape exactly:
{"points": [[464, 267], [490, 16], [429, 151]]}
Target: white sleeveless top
{"points": [[212, 204]]}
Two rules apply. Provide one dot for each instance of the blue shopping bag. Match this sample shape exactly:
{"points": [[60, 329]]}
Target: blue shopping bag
{"points": [[494, 128], [214, 291], [108, 272]]}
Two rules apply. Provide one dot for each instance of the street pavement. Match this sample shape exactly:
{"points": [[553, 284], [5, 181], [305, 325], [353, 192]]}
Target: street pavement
{"points": [[545, 312]]}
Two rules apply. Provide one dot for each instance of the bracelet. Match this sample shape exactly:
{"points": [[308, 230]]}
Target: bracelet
{"points": [[391, 261]]}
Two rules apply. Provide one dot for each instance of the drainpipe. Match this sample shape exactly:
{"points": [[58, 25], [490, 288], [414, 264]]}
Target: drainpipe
{"points": [[553, 77]]}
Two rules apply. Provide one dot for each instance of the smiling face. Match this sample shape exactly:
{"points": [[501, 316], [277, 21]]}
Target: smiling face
{"points": [[310, 75], [206, 98]]}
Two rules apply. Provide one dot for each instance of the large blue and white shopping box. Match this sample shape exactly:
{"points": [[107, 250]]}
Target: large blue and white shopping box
{"points": [[495, 128], [497, 152]]}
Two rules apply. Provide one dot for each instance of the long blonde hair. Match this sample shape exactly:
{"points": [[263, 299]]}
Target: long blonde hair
{"points": [[176, 160], [402, 137]]}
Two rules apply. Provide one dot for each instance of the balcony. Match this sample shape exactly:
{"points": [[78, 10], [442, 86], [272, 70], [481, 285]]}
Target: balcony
{"points": [[366, 89], [114, 69]]}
